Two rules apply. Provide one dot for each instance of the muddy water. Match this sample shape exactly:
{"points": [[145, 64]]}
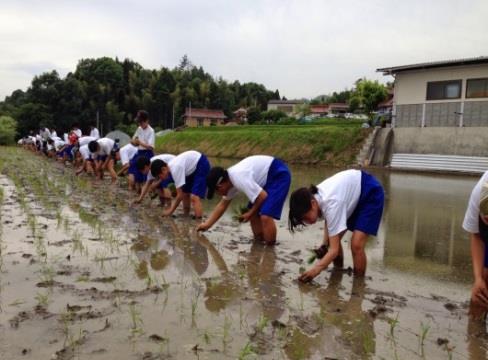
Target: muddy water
{"points": [[85, 275]]}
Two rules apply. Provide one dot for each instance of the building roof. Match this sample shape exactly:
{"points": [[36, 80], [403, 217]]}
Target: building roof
{"points": [[386, 103], [434, 64], [285, 102], [318, 109], [204, 113], [339, 106]]}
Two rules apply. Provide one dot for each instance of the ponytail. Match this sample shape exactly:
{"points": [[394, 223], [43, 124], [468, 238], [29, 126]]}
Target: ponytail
{"points": [[300, 204]]}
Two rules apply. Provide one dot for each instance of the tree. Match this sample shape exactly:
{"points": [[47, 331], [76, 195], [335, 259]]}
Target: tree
{"points": [[273, 116], [367, 95], [253, 115], [8, 130]]}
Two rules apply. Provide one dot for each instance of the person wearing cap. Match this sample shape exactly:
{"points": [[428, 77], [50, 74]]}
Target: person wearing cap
{"points": [[265, 181], [144, 165], [104, 152], [350, 200], [476, 224], [126, 153], [143, 138], [189, 172]]}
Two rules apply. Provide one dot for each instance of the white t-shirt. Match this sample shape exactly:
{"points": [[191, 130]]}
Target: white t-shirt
{"points": [[146, 135], [54, 133], [85, 140], [65, 137], [471, 218], [94, 133], [183, 165], [45, 133], [106, 146], [58, 144], [338, 196], [127, 152], [85, 152], [249, 176], [165, 157]]}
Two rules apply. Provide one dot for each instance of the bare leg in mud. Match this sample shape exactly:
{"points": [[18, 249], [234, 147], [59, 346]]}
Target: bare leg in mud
{"points": [[197, 206], [263, 228], [358, 244], [339, 260], [186, 204]]}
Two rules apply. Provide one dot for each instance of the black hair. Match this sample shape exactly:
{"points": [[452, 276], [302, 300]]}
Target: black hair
{"points": [[93, 146], [157, 166], [50, 141], [300, 204], [142, 162], [216, 175]]}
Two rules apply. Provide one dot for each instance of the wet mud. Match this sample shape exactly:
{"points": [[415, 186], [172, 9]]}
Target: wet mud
{"points": [[85, 275]]}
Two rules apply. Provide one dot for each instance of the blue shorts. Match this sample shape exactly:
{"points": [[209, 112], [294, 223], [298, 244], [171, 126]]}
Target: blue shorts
{"points": [[139, 177], [367, 214], [67, 151], [164, 184], [277, 187], [484, 236], [101, 157], [196, 183]]}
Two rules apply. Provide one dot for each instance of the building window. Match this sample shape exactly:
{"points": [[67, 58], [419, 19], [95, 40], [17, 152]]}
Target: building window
{"points": [[442, 90], [477, 88]]}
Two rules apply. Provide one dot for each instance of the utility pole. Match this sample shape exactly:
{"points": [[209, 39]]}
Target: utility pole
{"points": [[173, 121]]}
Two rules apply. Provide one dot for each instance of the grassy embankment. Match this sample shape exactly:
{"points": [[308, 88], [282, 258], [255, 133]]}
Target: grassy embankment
{"points": [[332, 142]]}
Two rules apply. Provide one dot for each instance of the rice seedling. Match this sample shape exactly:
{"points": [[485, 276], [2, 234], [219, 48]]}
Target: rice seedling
{"points": [[42, 299], [393, 324], [424, 330], [247, 351], [368, 342], [263, 321], [238, 211], [136, 320]]}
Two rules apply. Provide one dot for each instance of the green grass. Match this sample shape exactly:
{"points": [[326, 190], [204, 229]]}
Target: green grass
{"points": [[336, 142]]}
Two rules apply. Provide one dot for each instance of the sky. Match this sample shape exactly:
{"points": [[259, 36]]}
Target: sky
{"points": [[302, 48]]}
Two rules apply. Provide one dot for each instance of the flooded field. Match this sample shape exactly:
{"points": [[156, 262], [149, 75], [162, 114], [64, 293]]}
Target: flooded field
{"points": [[83, 275]]}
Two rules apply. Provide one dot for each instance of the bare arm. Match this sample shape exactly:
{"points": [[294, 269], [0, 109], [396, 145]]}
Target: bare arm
{"points": [[215, 215], [322, 264], [479, 293], [175, 203], [144, 191], [255, 207]]}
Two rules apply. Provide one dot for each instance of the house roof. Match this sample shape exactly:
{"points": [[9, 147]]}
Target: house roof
{"points": [[318, 109], [339, 105], [204, 113], [434, 64], [285, 102]]}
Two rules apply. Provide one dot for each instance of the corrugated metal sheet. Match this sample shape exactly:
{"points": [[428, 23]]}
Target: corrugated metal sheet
{"points": [[434, 64], [450, 163]]}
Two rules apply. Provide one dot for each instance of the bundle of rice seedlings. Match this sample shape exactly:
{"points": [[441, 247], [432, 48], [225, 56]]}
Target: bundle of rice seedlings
{"points": [[238, 211]]}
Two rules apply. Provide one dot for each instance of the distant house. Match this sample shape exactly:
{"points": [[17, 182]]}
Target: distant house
{"points": [[450, 93], [338, 108], [386, 106], [203, 117], [319, 110], [289, 107]]}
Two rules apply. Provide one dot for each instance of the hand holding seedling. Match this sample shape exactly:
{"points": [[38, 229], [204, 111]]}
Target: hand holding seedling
{"points": [[245, 217], [309, 275]]}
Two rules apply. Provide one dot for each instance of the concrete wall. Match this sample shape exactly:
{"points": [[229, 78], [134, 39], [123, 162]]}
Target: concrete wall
{"points": [[466, 141], [411, 86]]}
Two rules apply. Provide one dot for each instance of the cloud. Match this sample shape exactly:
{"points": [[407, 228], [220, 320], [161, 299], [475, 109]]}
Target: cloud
{"points": [[302, 48]]}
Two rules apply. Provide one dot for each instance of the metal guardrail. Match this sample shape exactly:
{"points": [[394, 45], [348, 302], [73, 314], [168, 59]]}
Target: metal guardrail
{"points": [[469, 164]]}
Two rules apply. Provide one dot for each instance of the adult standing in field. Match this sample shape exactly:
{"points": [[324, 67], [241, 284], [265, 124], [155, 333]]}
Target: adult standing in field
{"points": [[189, 171], [476, 224], [94, 132], [350, 200], [265, 180], [143, 138]]}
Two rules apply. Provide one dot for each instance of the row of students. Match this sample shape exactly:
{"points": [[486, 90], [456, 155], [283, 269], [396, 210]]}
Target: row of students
{"points": [[350, 200]]}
